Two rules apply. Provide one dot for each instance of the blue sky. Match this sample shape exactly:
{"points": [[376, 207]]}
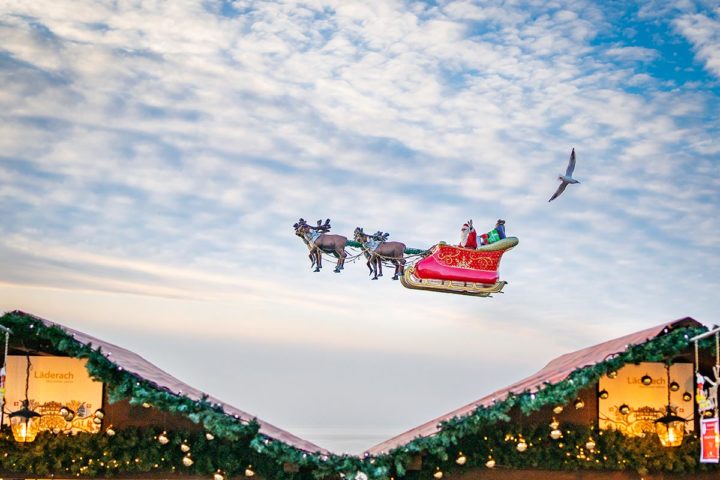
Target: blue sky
{"points": [[154, 157]]}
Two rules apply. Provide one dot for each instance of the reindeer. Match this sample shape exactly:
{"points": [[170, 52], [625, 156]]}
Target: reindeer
{"points": [[318, 241], [377, 248]]}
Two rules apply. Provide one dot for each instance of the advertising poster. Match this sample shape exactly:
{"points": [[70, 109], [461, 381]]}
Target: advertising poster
{"points": [[59, 389], [709, 440], [638, 395]]}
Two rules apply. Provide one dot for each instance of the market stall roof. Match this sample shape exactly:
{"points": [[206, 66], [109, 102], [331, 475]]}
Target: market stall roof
{"points": [[555, 371], [135, 364]]}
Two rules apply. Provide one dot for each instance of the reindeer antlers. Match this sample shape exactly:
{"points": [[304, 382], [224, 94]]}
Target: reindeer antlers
{"points": [[380, 236], [323, 227]]}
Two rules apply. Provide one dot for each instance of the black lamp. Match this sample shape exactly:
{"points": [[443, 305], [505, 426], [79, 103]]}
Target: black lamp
{"points": [[25, 423], [670, 428]]}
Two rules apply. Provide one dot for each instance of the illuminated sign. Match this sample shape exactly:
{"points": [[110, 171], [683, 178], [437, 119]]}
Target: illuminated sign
{"points": [[60, 389], [637, 396]]}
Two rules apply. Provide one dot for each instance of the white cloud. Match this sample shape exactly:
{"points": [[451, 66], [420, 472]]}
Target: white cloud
{"points": [[703, 31], [639, 54], [157, 156]]}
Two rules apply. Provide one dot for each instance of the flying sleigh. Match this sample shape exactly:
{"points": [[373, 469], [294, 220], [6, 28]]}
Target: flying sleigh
{"points": [[466, 269]]}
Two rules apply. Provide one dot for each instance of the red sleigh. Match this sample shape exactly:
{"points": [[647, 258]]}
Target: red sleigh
{"points": [[460, 270]]}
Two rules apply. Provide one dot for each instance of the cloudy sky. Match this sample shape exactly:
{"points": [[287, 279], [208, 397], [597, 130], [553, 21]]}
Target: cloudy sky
{"points": [[155, 155]]}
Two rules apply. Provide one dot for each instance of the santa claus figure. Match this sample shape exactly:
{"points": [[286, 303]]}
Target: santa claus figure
{"points": [[468, 236]]}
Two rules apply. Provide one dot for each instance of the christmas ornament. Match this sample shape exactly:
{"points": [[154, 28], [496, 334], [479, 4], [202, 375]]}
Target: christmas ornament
{"points": [[521, 445], [590, 445]]}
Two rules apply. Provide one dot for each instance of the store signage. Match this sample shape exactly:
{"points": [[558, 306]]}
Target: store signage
{"points": [[55, 382], [637, 396]]}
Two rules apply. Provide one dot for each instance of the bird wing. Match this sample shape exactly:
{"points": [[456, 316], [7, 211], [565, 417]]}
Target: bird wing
{"points": [[560, 189], [571, 164]]}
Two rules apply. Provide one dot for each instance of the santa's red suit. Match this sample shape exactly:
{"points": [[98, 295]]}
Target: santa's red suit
{"points": [[468, 236]]}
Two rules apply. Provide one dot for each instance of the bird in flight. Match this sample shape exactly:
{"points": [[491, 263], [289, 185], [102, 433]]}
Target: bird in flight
{"points": [[566, 179]]}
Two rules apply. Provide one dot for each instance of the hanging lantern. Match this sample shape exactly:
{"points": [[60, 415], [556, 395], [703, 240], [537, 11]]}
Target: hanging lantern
{"points": [[24, 424], [163, 438], [490, 463], [624, 409], [612, 374], [110, 431], [646, 380], [187, 461], [99, 414], [674, 387], [218, 476], [579, 404], [558, 410], [687, 396], [249, 472], [461, 459], [670, 428], [438, 473], [555, 434], [603, 394], [209, 436], [185, 447]]}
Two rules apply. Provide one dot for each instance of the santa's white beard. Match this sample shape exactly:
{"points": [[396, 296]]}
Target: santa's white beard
{"points": [[464, 236]]}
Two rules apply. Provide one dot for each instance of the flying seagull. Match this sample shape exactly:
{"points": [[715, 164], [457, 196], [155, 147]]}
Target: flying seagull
{"points": [[566, 179]]}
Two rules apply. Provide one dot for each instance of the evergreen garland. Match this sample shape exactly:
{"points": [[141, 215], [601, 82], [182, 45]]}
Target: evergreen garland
{"points": [[408, 251], [239, 442]]}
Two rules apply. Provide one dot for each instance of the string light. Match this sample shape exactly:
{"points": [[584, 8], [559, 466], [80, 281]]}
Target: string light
{"points": [[163, 439], [249, 472], [461, 459], [490, 463], [438, 473]]}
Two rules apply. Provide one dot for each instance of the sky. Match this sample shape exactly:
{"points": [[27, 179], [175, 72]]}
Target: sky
{"points": [[154, 157]]}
